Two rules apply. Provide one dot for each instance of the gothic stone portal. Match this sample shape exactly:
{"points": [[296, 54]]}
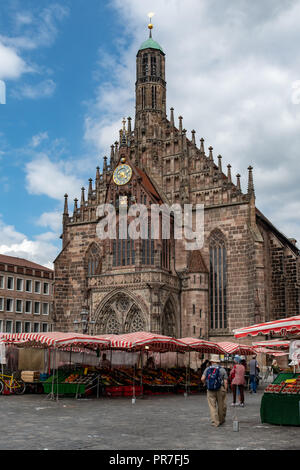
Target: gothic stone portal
{"points": [[120, 315]]}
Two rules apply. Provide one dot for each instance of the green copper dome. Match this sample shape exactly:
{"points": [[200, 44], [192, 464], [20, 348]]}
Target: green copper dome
{"points": [[150, 44]]}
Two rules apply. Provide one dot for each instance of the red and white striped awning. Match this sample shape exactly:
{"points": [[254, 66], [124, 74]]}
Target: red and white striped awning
{"points": [[200, 345], [56, 339], [235, 348], [270, 351], [143, 340], [282, 327], [274, 343]]}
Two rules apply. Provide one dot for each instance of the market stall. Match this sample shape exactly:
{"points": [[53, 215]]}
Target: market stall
{"points": [[280, 327], [151, 381], [62, 380], [280, 402]]}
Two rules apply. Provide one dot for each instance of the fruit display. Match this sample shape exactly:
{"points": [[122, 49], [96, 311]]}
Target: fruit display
{"points": [[274, 388], [292, 386], [123, 381], [288, 387], [81, 379]]}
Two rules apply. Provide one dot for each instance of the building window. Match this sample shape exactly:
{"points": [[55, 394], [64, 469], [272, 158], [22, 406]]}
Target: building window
{"points": [[1, 282], [1, 326], [153, 66], [143, 97], [8, 326], [93, 261], [194, 309], [28, 306], [9, 305], [145, 65], [36, 327], [18, 327], [45, 309], [19, 285], [37, 287], [46, 288], [123, 251], [37, 307], [166, 253], [148, 248], [154, 97], [218, 282], [19, 306], [44, 327], [10, 283], [28, 285], [27, 327], [1, 304]]}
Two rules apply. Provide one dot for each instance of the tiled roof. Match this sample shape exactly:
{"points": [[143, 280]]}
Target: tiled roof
{"points": [[147, 184], [4, 259], [196, 263]]}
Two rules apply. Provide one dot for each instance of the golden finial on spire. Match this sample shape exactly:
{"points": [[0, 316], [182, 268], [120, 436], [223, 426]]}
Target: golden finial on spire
{"points": [[150, 25]]}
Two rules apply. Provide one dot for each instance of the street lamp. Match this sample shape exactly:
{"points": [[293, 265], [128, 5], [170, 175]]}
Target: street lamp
{"points": [[84, 322]]}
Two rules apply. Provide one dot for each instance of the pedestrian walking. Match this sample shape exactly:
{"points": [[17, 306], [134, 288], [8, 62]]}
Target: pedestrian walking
{"points": [[216, 380], [275, 369], [253, 369], [237, 378]]}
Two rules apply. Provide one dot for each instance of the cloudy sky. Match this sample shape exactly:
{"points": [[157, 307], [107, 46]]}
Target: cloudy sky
{"points": [[233, 73]]}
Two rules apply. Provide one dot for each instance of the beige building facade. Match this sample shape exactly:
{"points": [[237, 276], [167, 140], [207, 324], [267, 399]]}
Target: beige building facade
{"points": [[26, 296]]}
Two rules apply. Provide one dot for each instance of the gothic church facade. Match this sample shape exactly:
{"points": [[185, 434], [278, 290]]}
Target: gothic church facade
{"points": [[246, 272]]}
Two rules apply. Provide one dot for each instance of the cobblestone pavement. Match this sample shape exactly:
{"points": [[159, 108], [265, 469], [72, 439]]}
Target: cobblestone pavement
{"points": [[33, 422]]}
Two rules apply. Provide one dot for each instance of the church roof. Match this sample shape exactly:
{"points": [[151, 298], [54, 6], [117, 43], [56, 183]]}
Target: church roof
{"points": [[151, 44], [148, 184], [196, 263]]}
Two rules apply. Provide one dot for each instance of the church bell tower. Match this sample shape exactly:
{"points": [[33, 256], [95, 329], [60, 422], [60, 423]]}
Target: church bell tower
{"points": [[150, 84]]}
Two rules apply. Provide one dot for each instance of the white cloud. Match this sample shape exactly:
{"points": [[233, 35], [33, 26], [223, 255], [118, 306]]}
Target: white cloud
{"points": [[43, 89], [35, 31], [12, 66], [53, 179], [53, 220], [40, 250], [38, 139]]}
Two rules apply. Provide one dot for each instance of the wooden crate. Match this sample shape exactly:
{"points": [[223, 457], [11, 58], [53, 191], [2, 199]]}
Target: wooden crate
{"points": [[30, 376]]}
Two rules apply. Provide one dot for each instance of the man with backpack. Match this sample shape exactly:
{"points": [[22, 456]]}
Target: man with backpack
{"points": [[216, 380]]}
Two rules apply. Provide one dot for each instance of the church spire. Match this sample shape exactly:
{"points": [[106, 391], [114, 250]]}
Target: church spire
{"points": [[150, 25], [251, 191], [172, 117], [238, 182], [66, 209], [150, 82], [229, 173]]}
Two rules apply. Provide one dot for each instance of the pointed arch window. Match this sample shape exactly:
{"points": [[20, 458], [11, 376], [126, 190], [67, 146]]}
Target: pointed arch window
{"points": [[93, 261], [218, 281], [145, 65], [153, 97], [153, 66], [143, 97]]}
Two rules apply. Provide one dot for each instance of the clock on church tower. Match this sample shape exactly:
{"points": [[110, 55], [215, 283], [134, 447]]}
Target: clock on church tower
{"points": [[122, 174]]}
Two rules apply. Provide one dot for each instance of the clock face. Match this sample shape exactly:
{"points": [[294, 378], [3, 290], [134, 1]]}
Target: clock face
{"points": [[122, 174]]}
